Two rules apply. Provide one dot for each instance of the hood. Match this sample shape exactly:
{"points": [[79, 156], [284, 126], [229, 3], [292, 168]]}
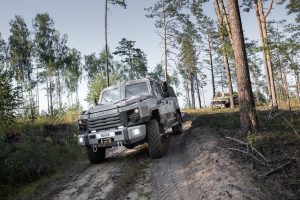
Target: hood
{"points": [[118, 104]]}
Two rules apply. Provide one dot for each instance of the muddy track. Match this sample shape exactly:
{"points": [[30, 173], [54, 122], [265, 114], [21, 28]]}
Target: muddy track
{"points": [[167, 177], [195, 165]]}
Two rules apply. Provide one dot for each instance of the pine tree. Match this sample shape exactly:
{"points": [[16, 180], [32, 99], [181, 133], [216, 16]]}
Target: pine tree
{"points": [[248, 118], [167, 15], [114, 2], [189, 58], [294, 7], [134, 60], [9, 100], [225, 54]]}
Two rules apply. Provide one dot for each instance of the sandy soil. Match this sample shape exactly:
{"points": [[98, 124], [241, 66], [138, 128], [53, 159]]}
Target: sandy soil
{"points": [[195, 165]]}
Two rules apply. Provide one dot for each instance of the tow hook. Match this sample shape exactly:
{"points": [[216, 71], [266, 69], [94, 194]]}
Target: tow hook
{"points": [[95, 148]]}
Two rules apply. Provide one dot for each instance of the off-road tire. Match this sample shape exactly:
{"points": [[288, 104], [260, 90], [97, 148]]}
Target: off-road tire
{"points": [[153, 139], [95, 157], [177, 129]]}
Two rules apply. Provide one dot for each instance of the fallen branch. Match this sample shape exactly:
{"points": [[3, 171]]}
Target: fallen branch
{"points": [[277, 169], [248, 145], [259, 153], [248, 153], [236, 140]]}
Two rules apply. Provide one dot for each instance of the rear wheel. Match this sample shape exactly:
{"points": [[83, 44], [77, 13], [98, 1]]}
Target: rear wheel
{"points": [[153, 138], [96, 157]]}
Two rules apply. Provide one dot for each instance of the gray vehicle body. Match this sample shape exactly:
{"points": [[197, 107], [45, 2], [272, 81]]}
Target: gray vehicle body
{"points": [[124, 122]]}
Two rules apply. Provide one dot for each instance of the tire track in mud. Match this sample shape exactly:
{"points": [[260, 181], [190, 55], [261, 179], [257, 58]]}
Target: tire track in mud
{"points": [[168, 172]]}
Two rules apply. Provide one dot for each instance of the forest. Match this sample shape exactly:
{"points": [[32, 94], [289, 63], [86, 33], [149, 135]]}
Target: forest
{"points": [[199, 51]]}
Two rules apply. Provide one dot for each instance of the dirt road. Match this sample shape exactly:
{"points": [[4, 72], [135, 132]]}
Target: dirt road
{"points": [[195, 165]]}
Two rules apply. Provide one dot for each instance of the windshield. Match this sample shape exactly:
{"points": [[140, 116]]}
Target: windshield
{"points": [[110, 95], [136, 90]]}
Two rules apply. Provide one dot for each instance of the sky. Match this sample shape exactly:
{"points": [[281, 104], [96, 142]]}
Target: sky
{"points": [[83, 22]]}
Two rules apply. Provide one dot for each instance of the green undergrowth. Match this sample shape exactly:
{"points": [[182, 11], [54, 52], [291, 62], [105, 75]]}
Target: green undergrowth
{"points": [[31, 155]]}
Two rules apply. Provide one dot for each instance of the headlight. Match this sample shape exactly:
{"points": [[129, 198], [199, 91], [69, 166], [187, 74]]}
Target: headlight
{"points": [[134, 115], [81, 140]]}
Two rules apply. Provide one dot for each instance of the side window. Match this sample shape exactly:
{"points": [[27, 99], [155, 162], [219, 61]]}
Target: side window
{"points": [[157, 89]]}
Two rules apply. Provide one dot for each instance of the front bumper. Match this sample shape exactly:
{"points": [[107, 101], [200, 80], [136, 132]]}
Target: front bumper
{"points": [[114, 137]]}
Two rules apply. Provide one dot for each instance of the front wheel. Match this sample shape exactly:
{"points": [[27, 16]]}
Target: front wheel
{"points": [[96, 157], [177, 129], [153, 138]]}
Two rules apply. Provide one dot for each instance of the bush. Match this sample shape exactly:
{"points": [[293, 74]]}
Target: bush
{"points": [[29, 156]]}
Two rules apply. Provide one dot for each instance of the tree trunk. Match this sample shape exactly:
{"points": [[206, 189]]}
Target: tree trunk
{"points": [[203, 98], [192, 93], [187, 94], [297, 87], [281, 81], [198, 91], [59, 90], [226, 20], [248, 118], [37, 91], [264, 50], [31, 100], [51, 96], [268, 55], [285, 83], [256, 91], [225, 57], [131, 73], [48, 92], [211, 66], [165, 42], [106, 43]]}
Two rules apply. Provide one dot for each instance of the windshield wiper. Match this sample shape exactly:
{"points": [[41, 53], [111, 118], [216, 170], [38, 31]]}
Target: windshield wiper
{"points": [[104, 98]]}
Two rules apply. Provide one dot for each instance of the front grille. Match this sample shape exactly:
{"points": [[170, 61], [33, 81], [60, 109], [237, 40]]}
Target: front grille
{"points": [[104, 122]]}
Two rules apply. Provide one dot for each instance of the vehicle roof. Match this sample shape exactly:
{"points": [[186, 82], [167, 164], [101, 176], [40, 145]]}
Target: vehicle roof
{"points": [[130, 82]]}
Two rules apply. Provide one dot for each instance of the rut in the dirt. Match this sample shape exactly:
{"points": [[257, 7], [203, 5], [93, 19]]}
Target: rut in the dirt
{"points": [[168, 174]]}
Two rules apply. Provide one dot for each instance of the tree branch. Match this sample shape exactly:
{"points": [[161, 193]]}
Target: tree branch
{"points": [[277, 169], [269, 9]]}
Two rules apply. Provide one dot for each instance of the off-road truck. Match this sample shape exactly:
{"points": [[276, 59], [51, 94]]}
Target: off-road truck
{"points": [[129, 114]]}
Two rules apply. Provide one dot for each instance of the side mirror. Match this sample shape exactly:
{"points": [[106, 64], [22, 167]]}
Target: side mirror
{"points": [[95, 101], [165, 89]]}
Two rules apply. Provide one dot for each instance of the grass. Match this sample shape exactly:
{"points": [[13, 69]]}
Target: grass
{"points": [[31, 188]]}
